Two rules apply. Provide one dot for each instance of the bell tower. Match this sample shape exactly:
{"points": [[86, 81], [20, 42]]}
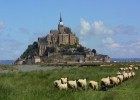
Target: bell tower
{"points": [[60, 25]]}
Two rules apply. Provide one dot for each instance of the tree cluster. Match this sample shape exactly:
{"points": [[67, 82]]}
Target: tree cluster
{"points": [[49, 50], [31, 51]]}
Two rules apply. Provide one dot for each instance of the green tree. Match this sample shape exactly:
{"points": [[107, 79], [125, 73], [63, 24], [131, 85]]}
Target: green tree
{"points": [[94, 51], [80, 49], [50, 50], [32, 50]]}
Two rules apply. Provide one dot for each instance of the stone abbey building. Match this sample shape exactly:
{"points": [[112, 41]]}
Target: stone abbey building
{"points": [[67, 49], [62, 36]]}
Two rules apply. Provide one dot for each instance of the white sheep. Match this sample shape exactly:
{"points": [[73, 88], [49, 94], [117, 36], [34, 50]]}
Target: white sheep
{"points": [[72, 84], [64, 80], [131, 65], [130, 68], [94, 85], [114, 81], [125, 75], [82, 83], [126, 69], [129, 74], [136, 68], [121, 78], [118, 73], [62, 86], [121, 69], [105, 83], [133, 73], [56, 82]]}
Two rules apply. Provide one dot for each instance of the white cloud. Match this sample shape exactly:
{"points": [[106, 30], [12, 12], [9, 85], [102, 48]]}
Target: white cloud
{"points": [[131, 51], [135, 44], [85, 27], [125, 29], [110, 43], [98, 27], [107, 41], [121, 49]]}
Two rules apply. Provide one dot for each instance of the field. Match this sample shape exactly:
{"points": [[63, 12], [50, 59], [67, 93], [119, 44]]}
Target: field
{"points": [[38, 85]]}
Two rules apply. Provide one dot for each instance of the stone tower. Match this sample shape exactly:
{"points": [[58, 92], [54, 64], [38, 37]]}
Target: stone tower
{"points": [[62, 36], [61, 26]]}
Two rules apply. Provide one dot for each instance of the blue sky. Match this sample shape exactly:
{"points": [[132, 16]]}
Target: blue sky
{"points": [[110, 26]]}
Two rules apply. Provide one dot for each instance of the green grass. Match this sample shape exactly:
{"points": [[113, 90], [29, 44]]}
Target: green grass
{"points": [[7, 67], [37, 85]]}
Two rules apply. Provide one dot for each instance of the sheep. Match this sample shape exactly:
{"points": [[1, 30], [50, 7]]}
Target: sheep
{"points": [[121, 69], [72, 84], [118, 73], [105, 83], [62, 86], [131, 65], [64, 80], [114, 81], [136, 68], [129, 74], [94, 85], [82, 83], [121, 77], [133, 73], [125, 75], [130, 68], [56, 82], [125, 69]]}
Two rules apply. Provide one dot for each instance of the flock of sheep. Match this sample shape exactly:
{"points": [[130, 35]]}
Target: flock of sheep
{"points": [[122, 75]]}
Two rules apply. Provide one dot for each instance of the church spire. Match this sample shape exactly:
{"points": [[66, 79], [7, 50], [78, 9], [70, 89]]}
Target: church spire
{"points": [[60, 18], [61, 25]]}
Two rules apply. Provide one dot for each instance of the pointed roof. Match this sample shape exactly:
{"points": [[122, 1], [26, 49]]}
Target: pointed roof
{"points": [[60, 18]]}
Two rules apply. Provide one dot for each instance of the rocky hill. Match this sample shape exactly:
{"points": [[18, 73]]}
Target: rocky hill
{"points": [[60, 46]]}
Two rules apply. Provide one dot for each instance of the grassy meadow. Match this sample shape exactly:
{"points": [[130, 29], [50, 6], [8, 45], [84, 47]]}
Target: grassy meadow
{"points": [[38, 85]]}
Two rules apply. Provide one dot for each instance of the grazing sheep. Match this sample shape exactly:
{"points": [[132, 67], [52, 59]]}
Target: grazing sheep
{"points": [[72, 84], [114, 81], [94, 85], [105, 83], [125, 75], [64, 80], [126, 69], [133, 73], [121, 69], [131, 65], [136, 68], [129, 74], [130, 68], [82, 83], [62, 86], [56, 82], [120, 77], [118, 73]]}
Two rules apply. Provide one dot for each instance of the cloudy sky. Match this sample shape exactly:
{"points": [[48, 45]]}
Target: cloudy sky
{"points": [[110, 26]]}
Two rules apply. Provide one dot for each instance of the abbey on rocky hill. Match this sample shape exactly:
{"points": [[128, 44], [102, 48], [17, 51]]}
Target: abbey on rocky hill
{"points": [[60, 46], [62, 36]]}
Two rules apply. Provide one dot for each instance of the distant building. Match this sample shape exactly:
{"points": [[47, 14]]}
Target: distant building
{"points": [[19, 61], [60, 46], [36, 60], [62, 36]]}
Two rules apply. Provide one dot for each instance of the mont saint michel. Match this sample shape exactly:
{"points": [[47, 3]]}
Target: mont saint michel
{"points": [[69, 50], [60, 46]]}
